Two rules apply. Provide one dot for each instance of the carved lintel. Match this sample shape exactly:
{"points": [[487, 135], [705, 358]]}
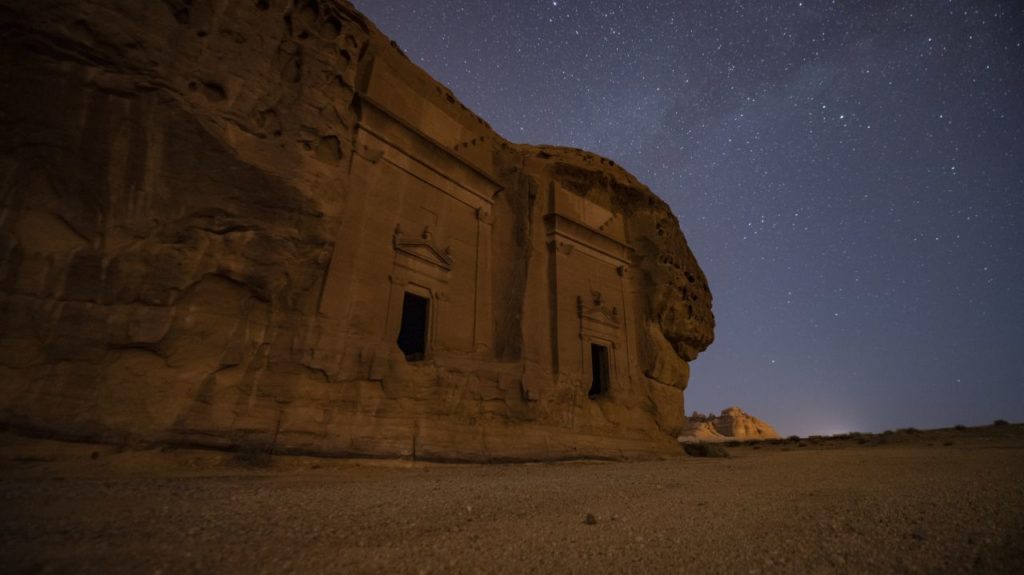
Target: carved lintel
{"points": [[399, 279], [600, 313]]}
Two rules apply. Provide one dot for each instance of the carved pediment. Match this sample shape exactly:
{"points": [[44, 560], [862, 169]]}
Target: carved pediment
{"points": [[423, 248], [597, 311]]}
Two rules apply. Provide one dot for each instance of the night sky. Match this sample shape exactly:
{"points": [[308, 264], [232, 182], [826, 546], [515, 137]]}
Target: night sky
{"points": [[850, 175]]}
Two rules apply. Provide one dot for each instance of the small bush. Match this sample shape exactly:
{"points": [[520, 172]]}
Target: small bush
{"points": [[960, 427], [734, 443], [1000, 422], [704, 449], [793, 438], [910, 430]]}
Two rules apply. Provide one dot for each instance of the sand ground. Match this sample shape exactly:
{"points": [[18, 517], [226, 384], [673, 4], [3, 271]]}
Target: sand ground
{"points": [[936, 502]]}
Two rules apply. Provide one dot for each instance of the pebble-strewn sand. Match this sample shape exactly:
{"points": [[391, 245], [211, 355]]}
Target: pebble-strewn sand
{"points": [[913, 505]]}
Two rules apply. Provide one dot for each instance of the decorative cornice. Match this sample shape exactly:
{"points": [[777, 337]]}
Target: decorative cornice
{"points": [[564, 229]]}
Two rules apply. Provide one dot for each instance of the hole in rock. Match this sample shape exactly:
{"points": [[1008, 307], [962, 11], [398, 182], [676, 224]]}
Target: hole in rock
{"points": [[599, 369], [412, 337]]}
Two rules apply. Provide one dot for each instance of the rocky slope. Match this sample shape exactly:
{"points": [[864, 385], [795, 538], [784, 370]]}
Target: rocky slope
{"points": [[731, 423]]}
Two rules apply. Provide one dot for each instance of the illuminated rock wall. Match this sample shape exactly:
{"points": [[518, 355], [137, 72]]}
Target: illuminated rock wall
{"points": [[220, 218]]}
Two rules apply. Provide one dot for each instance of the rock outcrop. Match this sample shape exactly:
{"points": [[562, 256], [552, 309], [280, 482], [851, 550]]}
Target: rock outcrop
{"points": [[233, 223], [732, 423]]}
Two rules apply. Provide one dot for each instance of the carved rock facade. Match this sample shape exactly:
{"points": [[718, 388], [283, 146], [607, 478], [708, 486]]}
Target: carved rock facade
{"points": [[233, 223]]}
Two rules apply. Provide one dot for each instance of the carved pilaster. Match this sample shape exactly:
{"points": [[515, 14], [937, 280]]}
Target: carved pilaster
{"points": [[484, 215], [482, 331]]}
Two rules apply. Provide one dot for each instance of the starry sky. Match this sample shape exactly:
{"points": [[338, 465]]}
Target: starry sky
{"points": [[850, 175]]}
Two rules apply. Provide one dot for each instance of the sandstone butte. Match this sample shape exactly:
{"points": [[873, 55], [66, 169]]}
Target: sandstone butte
{"points": [[731, 423], [257, 224]]}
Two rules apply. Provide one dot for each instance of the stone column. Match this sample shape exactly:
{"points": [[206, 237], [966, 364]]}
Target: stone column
{"points": [[627, 319], [483, 337], [564, 317]]}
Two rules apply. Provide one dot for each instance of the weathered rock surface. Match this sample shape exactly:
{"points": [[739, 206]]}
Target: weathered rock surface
{"points": [[220, 216], [732, 423]]}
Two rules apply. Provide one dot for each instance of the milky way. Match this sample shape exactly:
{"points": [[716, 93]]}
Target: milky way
{"points": [[849, 175]]}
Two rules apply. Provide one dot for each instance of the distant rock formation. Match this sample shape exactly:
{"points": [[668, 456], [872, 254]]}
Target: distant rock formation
{"points": [[732, 423], [239, 224]]}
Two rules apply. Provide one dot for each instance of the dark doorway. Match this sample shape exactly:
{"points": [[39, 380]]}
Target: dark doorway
{"points": [[412, 338], [599, 368]]}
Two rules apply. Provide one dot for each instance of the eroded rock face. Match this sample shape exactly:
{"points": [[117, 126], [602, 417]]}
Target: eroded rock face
{"points": [[731, 423], [220, 217]]}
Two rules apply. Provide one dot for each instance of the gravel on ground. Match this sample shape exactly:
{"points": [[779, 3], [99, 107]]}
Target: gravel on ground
{"points": [[910, 507]]}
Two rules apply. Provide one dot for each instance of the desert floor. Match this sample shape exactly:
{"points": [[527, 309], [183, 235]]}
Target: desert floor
{"points": [[943, 501]]}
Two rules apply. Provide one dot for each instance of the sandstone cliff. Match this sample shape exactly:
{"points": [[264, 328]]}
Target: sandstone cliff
{"points": [[731, 423], [213, 209]]}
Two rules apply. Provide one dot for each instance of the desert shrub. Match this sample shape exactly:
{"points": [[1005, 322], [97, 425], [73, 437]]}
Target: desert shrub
{"points": [[887, 432], [863, 440], [999, 422], [704, 449], [910, 430], [793, 438], [734, 443], [960, 427]]}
